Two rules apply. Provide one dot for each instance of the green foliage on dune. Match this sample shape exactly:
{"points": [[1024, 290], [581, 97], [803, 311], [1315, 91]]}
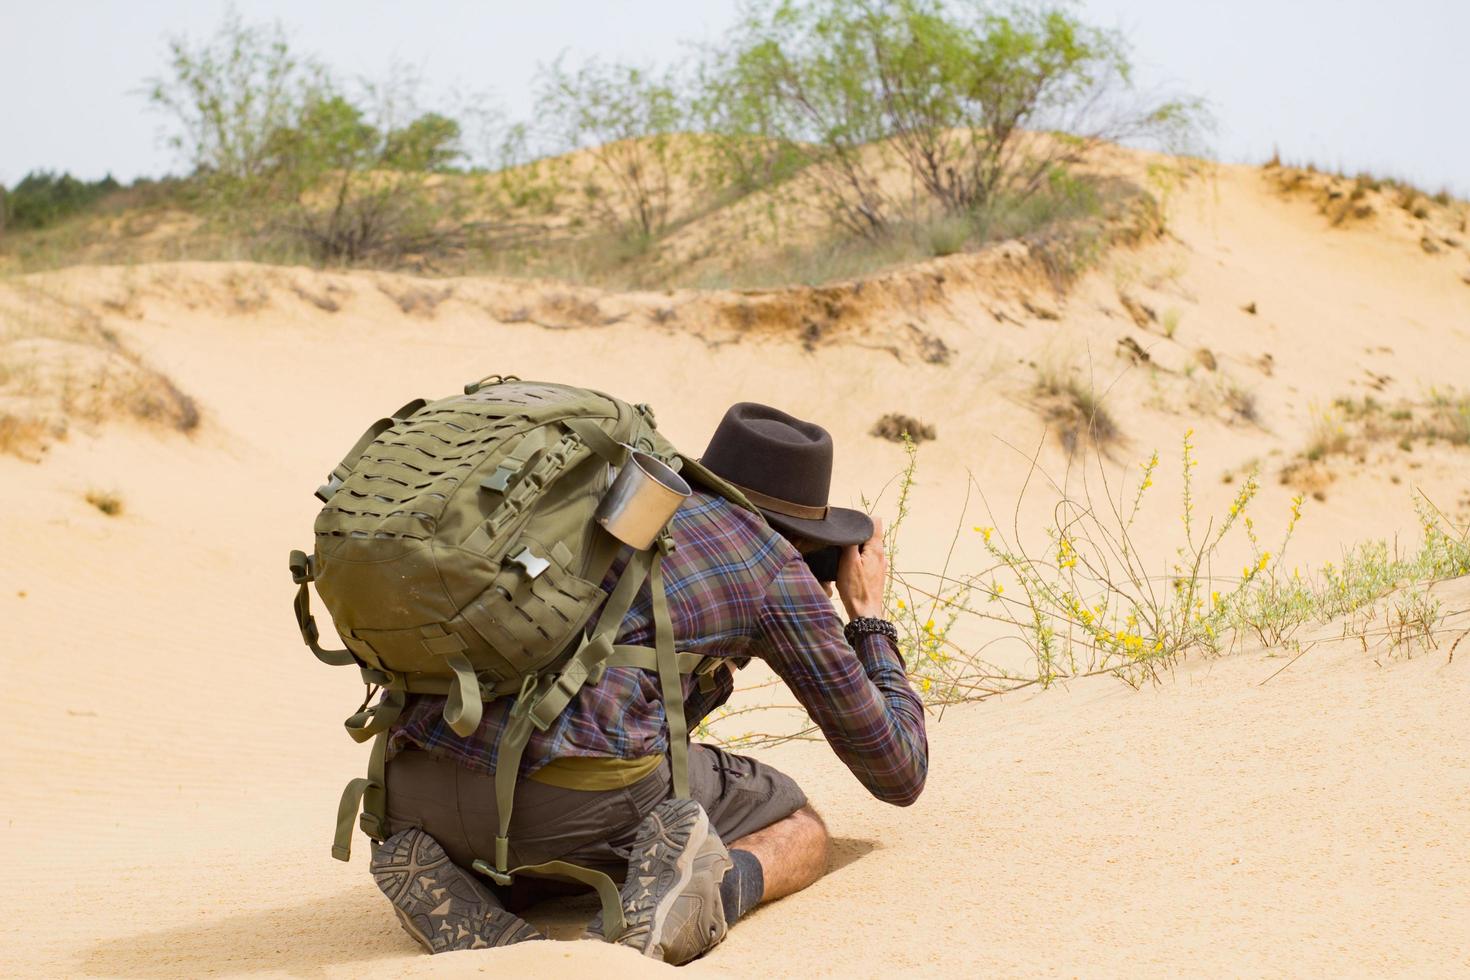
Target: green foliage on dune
{"points": [[43, 197], [280, 148], [903, 126], [947, 93]]}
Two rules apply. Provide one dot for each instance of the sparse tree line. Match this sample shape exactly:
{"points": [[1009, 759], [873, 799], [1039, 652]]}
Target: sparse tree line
{"points": [[875, 112]]}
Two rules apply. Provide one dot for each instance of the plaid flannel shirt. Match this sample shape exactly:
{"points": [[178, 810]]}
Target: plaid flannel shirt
{"points": [[736, 589]]}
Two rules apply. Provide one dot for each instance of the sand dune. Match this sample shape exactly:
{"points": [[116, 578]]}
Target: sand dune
{"points": [[175, 755]]}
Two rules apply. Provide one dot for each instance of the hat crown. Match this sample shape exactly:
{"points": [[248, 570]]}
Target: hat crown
{"points": [[766, 450]]}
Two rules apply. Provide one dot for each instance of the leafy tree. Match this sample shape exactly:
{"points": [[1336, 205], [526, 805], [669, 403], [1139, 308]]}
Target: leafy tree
{"points": [[281, 145], [430, 142], [229, 95], [744, 157], [975, 102], [803, 75], [626, 116], [354, 192]]}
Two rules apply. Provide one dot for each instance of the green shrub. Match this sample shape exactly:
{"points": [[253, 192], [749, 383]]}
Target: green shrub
{"points": [[626, 116], [284, 149], [950, 93], [43, 197]]}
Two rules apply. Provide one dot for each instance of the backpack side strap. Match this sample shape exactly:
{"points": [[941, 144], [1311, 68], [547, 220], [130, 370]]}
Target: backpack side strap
{"points": [[370, 794], [302, 573]]}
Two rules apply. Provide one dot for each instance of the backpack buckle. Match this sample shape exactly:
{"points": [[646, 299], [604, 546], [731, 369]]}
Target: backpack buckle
{"points": [[303, 567], [325, 491], [499, 481], [532, 565], [485, 868]]}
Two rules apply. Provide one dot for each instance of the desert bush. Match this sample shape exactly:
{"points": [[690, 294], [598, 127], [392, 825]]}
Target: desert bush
{"points": [[107, 501], [957, 95], [1075, 409], [352, 190], [227, 97], [1089, 604], [626, 117], [278, 146]]}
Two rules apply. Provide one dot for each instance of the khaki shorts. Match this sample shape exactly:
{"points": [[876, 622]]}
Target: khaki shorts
{"points": [[591, 828]]}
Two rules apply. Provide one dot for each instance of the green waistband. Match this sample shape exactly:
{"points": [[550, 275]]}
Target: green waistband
{"points": [[594, 773]]}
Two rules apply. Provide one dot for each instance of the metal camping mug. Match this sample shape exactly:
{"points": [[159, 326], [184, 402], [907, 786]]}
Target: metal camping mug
{"points": [[641, 500]]}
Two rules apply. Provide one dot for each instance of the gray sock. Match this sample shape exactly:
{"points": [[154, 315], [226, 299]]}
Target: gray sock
{"points": [[743, 887]]}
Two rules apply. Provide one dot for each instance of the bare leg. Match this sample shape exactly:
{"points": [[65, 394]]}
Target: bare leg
{"points": [[792, 852]]}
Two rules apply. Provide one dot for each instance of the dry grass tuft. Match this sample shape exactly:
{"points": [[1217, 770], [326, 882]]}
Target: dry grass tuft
{"points": [[247, 293], [1329, 434], [107, 501], [896, 427], [932, 349], [324, 301], [1141, 314], [1170, 322], [1242, 403], [1344, 200], [574, 309], [1076, 410]]}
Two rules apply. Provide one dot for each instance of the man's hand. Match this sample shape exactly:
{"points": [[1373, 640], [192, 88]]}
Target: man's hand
{"points": [[861, 575]]}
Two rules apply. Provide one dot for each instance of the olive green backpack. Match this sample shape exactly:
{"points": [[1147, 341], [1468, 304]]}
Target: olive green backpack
{"points": [[458, 555]]}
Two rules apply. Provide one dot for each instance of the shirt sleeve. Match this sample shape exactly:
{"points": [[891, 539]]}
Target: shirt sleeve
{"points": [[860, 698]]}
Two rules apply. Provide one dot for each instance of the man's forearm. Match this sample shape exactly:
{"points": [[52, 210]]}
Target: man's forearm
{"points": [[858, 695], [910, 752]]}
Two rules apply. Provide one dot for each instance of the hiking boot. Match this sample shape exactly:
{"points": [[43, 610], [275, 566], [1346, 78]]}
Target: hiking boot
{"points": [[439, 903], [671, 898]]}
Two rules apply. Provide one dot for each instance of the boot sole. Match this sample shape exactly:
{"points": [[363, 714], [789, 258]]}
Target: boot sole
{"points": [[438, 903], [660, 866]]}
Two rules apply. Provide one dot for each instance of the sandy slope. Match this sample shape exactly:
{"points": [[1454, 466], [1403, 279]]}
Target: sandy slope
{"points": [[174, 754]]}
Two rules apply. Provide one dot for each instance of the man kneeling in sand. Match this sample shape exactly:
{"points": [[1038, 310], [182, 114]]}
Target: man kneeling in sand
{"points": [[596, 785]]}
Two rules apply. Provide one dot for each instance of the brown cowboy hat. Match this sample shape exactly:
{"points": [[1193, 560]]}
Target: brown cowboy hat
{"points": [[784, 467]]}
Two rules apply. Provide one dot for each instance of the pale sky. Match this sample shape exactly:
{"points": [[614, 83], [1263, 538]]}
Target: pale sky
{"points": [[1343, 83]]}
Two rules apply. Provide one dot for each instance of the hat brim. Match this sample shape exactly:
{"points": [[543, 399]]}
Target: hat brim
{"points": [[841, 526]]}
